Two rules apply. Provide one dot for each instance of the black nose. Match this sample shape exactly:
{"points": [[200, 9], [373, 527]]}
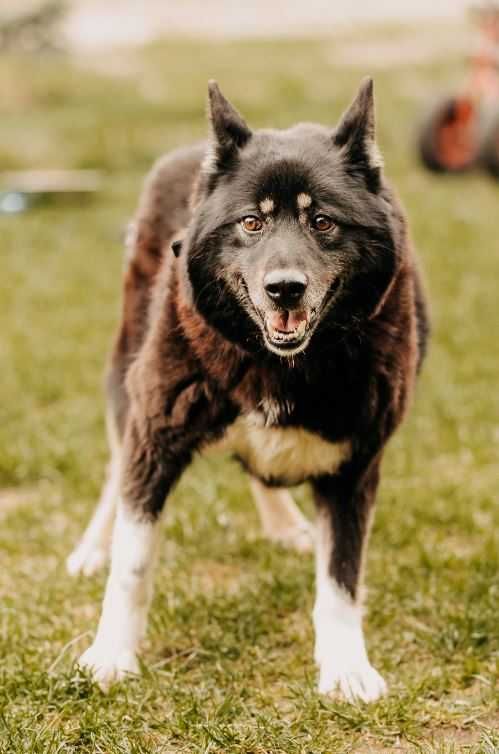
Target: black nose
{"points": [[285, 287]]}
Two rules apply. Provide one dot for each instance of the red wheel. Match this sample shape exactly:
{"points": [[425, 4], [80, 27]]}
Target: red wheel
{"points": [[450, 139]]}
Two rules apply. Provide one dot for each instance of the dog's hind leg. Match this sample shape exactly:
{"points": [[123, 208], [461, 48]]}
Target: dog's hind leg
{"points": [[92, 551], [282, 521]]}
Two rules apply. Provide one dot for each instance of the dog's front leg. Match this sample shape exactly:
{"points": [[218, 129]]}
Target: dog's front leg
{"points": [[128, 594], [149, 471], [344, 508]]}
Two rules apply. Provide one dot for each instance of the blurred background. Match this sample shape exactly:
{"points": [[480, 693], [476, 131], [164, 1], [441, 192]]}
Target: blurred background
{"points": [[91, 93]]}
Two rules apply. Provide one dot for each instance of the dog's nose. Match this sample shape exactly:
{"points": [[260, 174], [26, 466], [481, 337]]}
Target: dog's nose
{"points": [[285, 287]]}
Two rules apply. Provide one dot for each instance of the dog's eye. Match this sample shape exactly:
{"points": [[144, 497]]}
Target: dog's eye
{"points": [[322, 223], [251, 224]]}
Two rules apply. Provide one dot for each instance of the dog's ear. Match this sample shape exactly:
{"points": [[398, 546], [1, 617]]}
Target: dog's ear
{"points": [[229, 132], [355, 136]]}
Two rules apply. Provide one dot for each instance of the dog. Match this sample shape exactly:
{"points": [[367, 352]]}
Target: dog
{"points": [[272, 306]]}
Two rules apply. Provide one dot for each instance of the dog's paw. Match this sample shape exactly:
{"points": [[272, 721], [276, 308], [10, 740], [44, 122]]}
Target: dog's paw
{"points": [[107, 665], [87, 559], [299, 538], [362, 683]]}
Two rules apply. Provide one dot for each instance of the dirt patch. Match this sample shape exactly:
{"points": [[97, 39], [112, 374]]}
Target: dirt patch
{"points": [[457, 739], [467, 735]]}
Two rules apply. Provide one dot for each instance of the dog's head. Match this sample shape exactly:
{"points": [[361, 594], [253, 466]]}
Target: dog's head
{"points": [[292, 230]]}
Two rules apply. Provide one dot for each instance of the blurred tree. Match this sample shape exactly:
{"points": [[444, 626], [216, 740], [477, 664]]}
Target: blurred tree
{"points": [[34, 30]]}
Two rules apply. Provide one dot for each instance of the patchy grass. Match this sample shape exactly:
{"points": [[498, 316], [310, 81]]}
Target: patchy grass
{"points": [[228, 662]]}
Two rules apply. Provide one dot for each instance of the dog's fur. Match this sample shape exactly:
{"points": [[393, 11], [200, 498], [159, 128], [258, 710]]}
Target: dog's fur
{"points": [[297, 346]]}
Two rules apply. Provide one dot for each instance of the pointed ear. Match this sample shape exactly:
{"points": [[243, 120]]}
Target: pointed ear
{"points": [[229, 131], [355, 136]]}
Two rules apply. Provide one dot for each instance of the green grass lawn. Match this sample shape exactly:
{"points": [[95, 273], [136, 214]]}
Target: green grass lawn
{"points": [[228, 661]]}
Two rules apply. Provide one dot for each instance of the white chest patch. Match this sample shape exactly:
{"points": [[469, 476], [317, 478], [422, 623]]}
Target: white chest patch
{"points": [[287, 453]]}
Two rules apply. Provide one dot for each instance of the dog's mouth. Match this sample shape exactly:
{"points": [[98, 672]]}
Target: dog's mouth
{"points": [[287, 331]]}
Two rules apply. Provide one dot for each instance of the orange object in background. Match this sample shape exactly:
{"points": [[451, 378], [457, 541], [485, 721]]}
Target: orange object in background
{"points": [[462, 131]]}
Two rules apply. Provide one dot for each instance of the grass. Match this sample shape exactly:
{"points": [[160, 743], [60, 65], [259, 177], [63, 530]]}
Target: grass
{"points": [[228, 661]]}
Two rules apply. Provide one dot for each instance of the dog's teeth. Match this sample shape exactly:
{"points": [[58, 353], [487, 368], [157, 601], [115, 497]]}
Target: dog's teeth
{"points": [[285, 336], [298, 332]]}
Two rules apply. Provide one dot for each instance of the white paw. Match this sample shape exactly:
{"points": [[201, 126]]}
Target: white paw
{"points": [[300, 538], [340, 650], [87, 559], [361, 682], [108, 665]]}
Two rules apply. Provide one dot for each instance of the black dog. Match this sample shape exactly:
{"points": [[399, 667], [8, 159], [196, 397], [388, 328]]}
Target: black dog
{"points": [[288, 324]]}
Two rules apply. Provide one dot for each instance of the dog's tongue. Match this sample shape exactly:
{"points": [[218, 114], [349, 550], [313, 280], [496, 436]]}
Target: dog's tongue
{"points": [[287, 321]]}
